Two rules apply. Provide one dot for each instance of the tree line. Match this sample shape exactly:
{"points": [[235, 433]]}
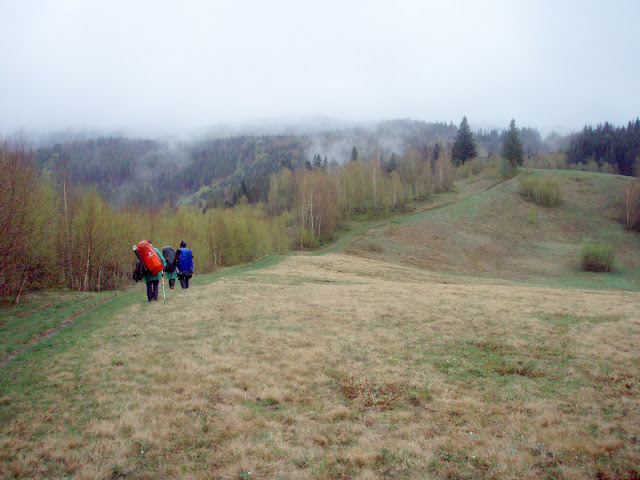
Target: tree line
{"points": [[606, 144], [218, 172], [58, 233]]}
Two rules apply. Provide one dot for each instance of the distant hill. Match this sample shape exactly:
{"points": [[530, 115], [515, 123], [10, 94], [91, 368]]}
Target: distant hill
{"points": [[221, 169]]}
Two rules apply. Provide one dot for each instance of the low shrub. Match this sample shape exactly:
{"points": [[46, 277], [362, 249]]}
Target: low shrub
{"points": [[372, 246], [596, 257], [469, 168], [544, 191], [554, 161]]}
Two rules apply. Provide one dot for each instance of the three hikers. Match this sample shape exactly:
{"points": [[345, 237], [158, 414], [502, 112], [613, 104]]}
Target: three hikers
{"points": [[152, 263]]}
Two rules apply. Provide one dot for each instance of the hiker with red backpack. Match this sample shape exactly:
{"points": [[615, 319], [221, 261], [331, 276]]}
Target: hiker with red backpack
{"points": [[154, 264], [153, 281]]}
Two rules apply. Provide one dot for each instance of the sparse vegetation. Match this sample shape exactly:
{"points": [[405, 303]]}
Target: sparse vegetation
{"points": [[470, 168], [542, 190], [553, 161], [373, 246], [597, 256], [532, 217], [629, 205]]}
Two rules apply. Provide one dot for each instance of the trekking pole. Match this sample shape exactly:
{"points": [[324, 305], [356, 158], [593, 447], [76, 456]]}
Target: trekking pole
{"points": [[164, 297]]}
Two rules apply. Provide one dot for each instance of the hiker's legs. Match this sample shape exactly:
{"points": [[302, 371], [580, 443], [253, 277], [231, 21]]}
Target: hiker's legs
{"points": [[183, 281], [172, 282], [155, 289], [150, 291], [186, 281]]}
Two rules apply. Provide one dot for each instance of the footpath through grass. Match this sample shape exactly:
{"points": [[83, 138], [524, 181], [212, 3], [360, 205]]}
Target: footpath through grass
{"points": [[331, 367]]}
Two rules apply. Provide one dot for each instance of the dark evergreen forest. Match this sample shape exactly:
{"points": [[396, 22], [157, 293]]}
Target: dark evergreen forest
{"points": [[619, 146]]}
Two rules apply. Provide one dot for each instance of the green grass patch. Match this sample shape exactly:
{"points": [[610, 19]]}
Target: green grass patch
{"points": [[41, 317], [264, 262], [564, 319]]}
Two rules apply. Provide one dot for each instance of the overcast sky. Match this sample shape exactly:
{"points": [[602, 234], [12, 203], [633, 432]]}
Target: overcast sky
{"points": [[154, 65]]}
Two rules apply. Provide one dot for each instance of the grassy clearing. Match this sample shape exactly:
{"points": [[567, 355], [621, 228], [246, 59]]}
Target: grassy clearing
{"points": [[332, 367], [488, 233]]}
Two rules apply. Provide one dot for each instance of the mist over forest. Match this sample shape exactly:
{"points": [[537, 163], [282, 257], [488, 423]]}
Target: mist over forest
{"points": [[227, 162]]}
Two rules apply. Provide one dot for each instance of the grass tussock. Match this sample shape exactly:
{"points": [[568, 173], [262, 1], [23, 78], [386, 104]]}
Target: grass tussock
{"points": [[597, 256], [542, 190], [373, 246]]}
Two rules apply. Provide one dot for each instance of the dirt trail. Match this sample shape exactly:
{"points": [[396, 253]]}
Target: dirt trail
{"points": [[53, 330]]}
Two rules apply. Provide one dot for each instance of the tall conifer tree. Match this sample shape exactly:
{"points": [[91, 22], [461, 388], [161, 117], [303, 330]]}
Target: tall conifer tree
{"points": [[464, 146], [354, 154], [512, 147]]}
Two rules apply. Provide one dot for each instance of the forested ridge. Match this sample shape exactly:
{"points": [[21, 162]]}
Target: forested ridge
{"points": [[219, 171], [152, 172]]}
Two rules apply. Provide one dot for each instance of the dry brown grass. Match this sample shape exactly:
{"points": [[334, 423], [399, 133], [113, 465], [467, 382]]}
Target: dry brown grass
{"points": [[341, 367]]}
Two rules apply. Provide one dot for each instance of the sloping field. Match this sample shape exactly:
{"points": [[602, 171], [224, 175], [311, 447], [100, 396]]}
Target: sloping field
{"points": [[332, 367], [488, 234]]}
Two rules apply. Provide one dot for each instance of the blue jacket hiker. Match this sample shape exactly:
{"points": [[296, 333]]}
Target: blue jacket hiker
{"points": [[184, 262], [154, 280]]}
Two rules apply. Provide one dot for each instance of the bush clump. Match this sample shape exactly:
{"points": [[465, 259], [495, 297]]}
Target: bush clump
{"points": [[372, 246], [470, 168], [596, 257], [544, 191]]}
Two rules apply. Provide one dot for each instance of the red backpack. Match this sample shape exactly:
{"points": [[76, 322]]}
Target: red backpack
{"points": [[148, 255]]}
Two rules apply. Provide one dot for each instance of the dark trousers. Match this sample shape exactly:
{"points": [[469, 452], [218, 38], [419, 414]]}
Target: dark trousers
{"points": [[152, 290], [184, 280]]}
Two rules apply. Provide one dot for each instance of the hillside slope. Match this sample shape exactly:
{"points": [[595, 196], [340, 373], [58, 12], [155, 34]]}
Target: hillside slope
{"points": [[488, 234]]}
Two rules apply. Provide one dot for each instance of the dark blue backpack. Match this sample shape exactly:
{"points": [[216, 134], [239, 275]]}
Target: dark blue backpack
{"points": [[185, 261]]}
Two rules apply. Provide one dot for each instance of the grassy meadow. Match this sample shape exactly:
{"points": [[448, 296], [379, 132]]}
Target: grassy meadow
{"points": [[487, 233], [408, 356]]}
